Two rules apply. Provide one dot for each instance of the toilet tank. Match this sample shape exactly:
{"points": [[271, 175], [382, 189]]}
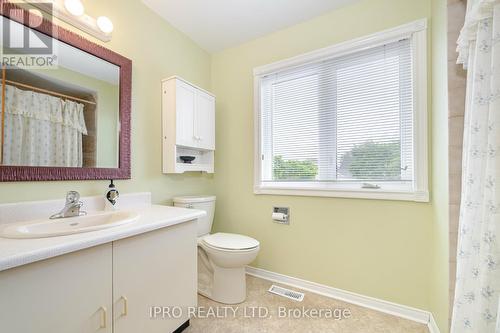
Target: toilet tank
{"points": [[206, 203]]}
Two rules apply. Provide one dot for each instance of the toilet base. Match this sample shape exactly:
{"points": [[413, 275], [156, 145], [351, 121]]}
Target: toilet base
{"points": [[229, 286], [223, 285]]}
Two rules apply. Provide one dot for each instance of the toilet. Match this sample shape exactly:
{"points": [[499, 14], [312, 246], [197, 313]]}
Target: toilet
{"points": [[222, 257]]}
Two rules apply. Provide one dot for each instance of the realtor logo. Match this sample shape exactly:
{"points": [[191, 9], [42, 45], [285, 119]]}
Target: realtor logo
{"points": [[22, 44]]}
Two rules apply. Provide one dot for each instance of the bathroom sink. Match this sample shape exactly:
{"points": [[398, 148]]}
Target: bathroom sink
{"points": [[67, 226]]}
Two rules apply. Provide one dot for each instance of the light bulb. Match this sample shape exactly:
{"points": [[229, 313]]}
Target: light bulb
{"points": [[105, 24], [74, 7]]}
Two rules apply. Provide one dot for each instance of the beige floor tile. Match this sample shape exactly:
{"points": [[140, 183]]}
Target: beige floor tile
{"points": [[361, 320]]}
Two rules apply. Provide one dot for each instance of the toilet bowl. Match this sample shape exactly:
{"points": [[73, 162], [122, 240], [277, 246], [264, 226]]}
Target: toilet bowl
{"points": [[222, 257]]}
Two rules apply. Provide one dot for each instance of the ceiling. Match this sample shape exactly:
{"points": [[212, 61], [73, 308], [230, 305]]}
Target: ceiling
{"points": [[219, 24]]}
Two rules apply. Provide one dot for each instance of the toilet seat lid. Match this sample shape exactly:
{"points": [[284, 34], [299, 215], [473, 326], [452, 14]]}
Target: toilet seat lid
{"points": [[231, 241]]}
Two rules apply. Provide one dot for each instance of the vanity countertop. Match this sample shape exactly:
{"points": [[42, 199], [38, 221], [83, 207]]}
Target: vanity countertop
{"points": [[17, 252]]}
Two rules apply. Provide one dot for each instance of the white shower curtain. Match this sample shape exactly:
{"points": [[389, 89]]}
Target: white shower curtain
{"points": [[477, 293], [42, 130]]}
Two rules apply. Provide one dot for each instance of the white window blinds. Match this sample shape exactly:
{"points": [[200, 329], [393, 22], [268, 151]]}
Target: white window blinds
{"points": [[343, 119]]}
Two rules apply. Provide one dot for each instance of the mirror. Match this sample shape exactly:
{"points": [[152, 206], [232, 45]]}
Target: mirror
{"points": [[62, 111]]}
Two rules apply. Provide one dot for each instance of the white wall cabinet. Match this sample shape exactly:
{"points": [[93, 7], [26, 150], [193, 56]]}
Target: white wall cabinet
{"points": [[185, 101], [205, 120], [104, 289], [188, 117]]}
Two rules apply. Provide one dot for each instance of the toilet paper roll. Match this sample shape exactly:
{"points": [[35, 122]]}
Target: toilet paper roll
{"points": [[279, 217]]}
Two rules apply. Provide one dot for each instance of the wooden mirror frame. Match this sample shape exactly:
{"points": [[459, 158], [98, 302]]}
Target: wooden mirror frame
{"points": [[29, 173]]}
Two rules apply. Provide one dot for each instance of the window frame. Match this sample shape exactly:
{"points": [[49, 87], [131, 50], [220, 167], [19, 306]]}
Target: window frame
{"points": [[419, 189]]}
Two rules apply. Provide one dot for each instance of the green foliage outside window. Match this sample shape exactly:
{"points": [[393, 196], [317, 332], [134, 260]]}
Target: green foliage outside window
{"points": [[369, 161], [375, 161], [293, 169]]}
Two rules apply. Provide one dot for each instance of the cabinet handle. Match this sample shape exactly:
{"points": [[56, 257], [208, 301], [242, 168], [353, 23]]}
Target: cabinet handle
{"points": [[125, 306], [104, 317]]}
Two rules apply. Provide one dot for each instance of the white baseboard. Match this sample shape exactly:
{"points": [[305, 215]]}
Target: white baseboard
{"points": [[402, 311], [433, 327]]}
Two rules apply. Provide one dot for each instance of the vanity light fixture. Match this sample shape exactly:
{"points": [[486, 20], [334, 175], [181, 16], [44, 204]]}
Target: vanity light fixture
{"points": [[74, 7], [73, 13], [105, 24]]}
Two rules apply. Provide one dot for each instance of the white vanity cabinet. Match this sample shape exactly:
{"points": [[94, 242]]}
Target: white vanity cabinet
{"points": [[65, 294], [156, 269], [108, 288], [188, 129]]}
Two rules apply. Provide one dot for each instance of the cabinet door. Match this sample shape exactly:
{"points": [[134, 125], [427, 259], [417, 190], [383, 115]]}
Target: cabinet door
{"points": [[156, 269], [185, 114], [65, 294], [205, 120]]}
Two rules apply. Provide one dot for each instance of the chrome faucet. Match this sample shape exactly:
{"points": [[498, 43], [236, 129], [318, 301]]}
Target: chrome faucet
{"points": [[72, 206]]}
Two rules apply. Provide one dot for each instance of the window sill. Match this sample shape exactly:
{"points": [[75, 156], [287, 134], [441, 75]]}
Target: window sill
{"points": [[376, 194]]}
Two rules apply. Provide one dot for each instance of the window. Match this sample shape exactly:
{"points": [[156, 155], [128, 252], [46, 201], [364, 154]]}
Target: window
{"points": [[349, 120]]}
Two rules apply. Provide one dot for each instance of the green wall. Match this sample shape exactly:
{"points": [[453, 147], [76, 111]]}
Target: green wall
{"points": [[157, 51], [372, 247]]}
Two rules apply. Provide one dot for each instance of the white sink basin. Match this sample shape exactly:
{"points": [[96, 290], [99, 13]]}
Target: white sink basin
{"points": [[67, 226]]}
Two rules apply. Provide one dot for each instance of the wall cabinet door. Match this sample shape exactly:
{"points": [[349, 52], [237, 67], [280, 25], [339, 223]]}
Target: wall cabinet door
{"points": [[185, 114], [65, 294], [205, 120], [154, 269]]}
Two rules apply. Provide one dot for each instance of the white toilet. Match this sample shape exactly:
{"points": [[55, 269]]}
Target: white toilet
{"points": [[222, 257]]}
